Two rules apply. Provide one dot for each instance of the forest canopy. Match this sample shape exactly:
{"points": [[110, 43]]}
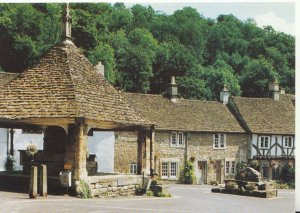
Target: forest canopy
{"points": [[142, 48]]}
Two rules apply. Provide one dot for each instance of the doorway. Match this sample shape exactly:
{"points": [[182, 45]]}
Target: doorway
{"points": [[218, 167], [201, 172]]}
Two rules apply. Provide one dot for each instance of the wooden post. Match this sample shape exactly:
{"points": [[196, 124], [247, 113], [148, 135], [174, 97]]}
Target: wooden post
{"points": [[43, 181], [33, 183], [12, 132]]}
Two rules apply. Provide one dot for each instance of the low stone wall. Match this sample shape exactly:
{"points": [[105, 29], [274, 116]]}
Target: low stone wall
{"points": [[114, 185]]}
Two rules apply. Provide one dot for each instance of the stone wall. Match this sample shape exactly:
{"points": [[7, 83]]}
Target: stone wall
{"points": [[114, 185], [126, 150], [200, 148]]}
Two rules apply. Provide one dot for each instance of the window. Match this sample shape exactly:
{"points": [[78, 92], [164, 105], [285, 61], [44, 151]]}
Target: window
{"points": [[164, 169], [177, 139], [288, 142], [229, 167], [264, 142], [173, 171], [133, 168], [174, 138], [219, 141], [169, 169]]}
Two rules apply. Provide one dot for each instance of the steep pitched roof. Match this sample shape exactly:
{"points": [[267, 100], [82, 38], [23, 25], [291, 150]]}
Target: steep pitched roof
{"points": [[191, 115], [6, 77], [264, 115], [64, 84]]}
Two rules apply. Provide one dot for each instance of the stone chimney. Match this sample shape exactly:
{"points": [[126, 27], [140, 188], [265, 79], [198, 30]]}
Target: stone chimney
{"points": [[274, 90], [224, 95], [100, 68], [172, 91], [67, 24]]}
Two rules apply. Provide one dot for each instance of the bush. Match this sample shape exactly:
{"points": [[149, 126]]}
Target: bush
{"points": [[162, 194], [187, 174], [149, 193], [288, 175], [84, 190]]}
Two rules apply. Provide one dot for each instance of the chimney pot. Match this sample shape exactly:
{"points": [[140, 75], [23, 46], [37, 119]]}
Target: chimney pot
{"points": [[172, 91], [224, 95], [274, 90]]}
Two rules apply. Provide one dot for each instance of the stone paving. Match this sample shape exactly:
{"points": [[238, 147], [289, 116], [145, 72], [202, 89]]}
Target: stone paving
{"points": [[186, 198]]}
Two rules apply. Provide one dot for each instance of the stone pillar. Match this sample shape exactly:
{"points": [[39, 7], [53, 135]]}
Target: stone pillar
{"points": [[147, 154], [12, 132], [43, 188], [33, 182], [76, 150]]}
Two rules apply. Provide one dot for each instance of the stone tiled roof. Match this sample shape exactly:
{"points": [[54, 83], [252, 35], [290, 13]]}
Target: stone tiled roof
{"points": [[64, 84], [264, 115], [191, 115], [6, 77]]}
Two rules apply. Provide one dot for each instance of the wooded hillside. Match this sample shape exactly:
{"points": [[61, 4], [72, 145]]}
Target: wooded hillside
{"points": [[142, 48]]}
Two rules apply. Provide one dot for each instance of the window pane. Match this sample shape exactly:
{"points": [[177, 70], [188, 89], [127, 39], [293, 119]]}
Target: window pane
{"points": [[232, 167], [133, 169], [173, 172], [216, 144], [180, 138], [290, 141], [174, 138], [222, 141], [164, 169], [266, 142], [227, 167]]}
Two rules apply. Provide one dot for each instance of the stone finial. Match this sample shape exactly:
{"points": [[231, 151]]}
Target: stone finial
{"points": [[67, 24]]}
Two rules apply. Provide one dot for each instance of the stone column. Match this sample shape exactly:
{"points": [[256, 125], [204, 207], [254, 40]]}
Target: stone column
{"points": [[12, 132], [76, 150], [43, 189], [80, 143], [147, 154]]}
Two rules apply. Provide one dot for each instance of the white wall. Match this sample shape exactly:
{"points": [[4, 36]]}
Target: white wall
{"points": [[21, 141], [102, 145], [3, 148]]}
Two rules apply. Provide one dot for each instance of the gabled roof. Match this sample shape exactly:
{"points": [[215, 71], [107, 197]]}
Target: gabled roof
{"points": [[190, 115], [266, 116], [6, 77], [64, 84]]}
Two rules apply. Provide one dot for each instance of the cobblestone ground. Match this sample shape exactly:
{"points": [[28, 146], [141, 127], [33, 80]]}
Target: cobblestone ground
{"points": [[186, 198]]}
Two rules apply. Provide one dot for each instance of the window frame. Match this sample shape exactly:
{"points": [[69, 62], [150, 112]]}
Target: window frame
{"points": [[167, 169], [177, 137], [133, 168], [289, 141], [260, 142], [231, 168], [217, 140]]}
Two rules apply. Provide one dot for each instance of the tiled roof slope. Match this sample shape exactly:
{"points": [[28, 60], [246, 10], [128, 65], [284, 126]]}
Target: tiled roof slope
{"points": [[5, 78], [64, 84], [191, 115], [264, 115]]}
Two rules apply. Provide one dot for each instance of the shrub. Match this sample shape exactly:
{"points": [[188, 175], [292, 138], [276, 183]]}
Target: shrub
{"points": [[163, 194], [187, 173], [149, 193], [255, 165], [288, 175], [84, 190]]}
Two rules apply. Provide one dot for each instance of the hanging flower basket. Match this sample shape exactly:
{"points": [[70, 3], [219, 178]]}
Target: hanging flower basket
{"points": [[31, 150]]}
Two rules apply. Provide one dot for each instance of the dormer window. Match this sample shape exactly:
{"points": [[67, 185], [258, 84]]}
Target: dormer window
{"points": [[264, 142], [177, 139], [219, 141]]}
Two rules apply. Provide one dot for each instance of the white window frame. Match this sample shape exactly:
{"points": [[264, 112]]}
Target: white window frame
{"points": [[168, 165], [286, 141], [217, 141], [177, 136], [230, 167], [264, 142], [133, 168]]}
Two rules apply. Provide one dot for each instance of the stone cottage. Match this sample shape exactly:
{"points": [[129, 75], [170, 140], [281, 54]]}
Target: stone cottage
{"points": [[271, 123], [205, 132]]}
